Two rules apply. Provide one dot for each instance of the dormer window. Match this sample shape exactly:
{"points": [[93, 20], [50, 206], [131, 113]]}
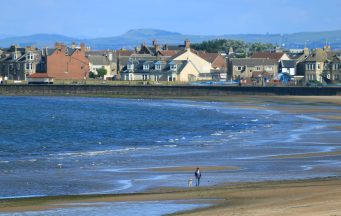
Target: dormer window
{"points": [[158, 67], [130, 66], [146, 67], [174, 67], [15, 56]]}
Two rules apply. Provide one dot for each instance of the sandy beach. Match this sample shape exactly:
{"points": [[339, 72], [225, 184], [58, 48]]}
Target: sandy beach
{"points": [[306, 197]]}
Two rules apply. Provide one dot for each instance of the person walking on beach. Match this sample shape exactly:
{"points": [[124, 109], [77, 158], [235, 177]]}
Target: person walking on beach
{"points": [[197, 177]]}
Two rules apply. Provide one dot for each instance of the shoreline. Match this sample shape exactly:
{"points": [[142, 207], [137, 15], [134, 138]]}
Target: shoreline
{"points": [[238, 198]]}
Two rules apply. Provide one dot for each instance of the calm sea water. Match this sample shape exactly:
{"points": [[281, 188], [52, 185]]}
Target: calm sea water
{"points": [[69, 145]]}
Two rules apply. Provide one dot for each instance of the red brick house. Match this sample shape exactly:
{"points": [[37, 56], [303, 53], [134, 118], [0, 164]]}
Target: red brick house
{"points": [[63, 62]]}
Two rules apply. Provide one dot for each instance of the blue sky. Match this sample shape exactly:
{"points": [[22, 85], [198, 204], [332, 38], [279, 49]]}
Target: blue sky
{"points": [[101, 18]]}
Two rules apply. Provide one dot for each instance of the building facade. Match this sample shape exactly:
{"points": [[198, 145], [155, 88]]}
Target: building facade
{"points": [[249, 69], [170, 71], [321, 64], [63, 62], [18, 63], [103, 59]]}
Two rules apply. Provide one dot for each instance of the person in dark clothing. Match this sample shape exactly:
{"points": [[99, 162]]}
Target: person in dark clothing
{"points": [[197, 177]]}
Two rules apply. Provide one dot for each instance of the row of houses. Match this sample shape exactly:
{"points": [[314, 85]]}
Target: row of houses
{"points": [[172, 63], [318, 65], [156, 63], [61, 62]]}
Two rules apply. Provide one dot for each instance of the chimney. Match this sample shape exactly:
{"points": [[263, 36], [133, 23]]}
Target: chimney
{"points": [[187, 44], [327, 48], [82, 47], [61, 47], [110, 56], [231, 51], [306, 51], [58, 45], [154, 43], [157, 48], [73, 45]]}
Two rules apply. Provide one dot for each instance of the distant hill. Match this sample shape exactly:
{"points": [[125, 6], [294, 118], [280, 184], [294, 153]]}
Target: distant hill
{"points": [[135, 37], [38, 40]]}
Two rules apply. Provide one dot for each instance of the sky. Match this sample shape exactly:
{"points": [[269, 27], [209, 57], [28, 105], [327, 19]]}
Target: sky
{"points": [[104, 18]]}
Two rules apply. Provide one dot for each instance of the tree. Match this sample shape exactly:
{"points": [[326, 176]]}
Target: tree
{"points": [[92, 75], [241, 48], [101, 72]]}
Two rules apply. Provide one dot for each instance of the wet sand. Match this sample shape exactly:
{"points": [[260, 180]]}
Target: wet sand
{"points": [[308, 155], [193, 168], [304, 197]]}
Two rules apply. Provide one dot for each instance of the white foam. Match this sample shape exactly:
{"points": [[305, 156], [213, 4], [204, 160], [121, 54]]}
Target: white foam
{"points": [[306, 167], [170, 146], [24, 196], [218, 133], [126, 184], [96, 153]]}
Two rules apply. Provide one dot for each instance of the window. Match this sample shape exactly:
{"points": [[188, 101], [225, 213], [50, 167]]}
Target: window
{"points": [[268, 68], [318, 66], [173, 67], [146, 67], [30, 56], [257, 68], [239, 68], [158, 67], [28, 66], [130, 66], [15, 56], [336, 66], [145, 77]]}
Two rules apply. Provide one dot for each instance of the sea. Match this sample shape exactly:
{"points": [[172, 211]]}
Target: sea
{"points": [[78, 145]]}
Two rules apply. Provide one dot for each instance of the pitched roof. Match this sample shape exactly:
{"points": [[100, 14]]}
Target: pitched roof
{"points": [[288, 63], [252, 62], [178, 54], [216, 59], [125, 52], [318, 56], [168, 52], [98, 60], [173, 47], [165, 66], [210, 57], [268, 55]]}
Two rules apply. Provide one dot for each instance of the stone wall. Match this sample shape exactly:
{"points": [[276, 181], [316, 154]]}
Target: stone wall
{"points": [[162, 91]]}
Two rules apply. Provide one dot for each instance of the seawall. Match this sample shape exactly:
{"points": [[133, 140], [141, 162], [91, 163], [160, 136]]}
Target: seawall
{"points": [[163, 91]]}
